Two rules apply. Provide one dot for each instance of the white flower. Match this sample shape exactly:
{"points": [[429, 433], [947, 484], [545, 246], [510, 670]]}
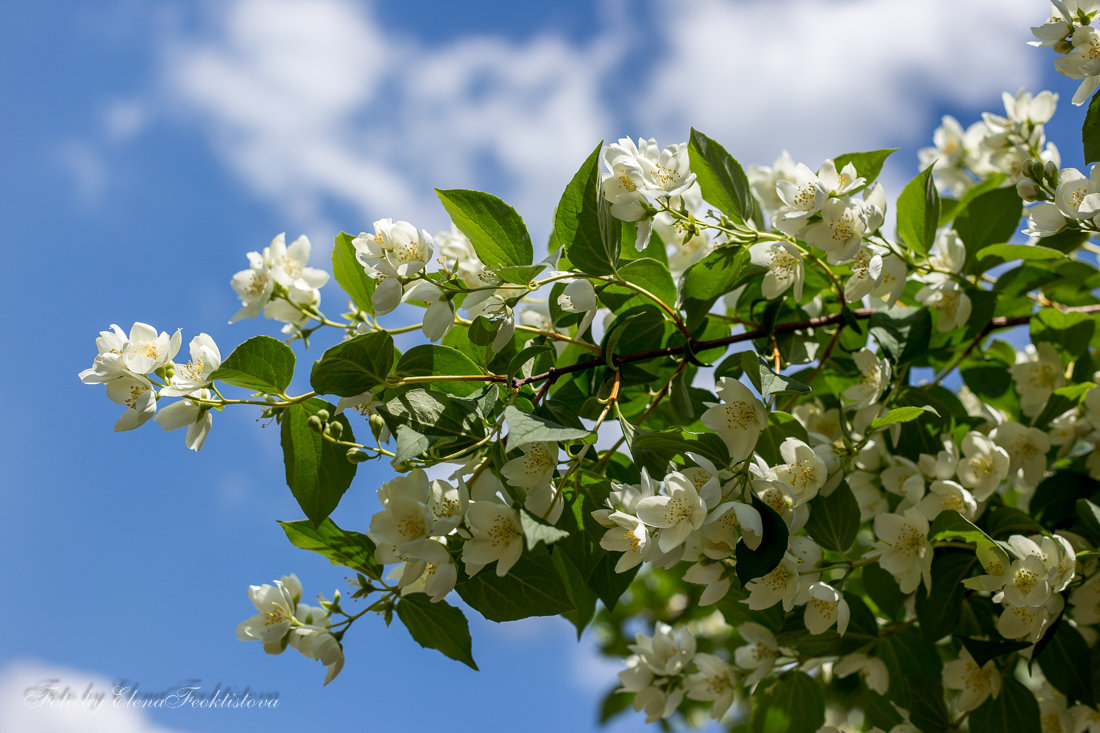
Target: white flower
{"points": [[949, 300], [1027, 451], [536, 465], [195, 374], [763, 180], [1027, 582], [439, 316], [108, 363], [320, 644], [288, 265], [871, 669], [758, 654], [802, 195], [1044, 220], [867, 273], [629, 536], [976, 683], [947, 495], [579, 297], [138, 395], [715, 681], [779, 585], [676, 515], [197, 418], [948, 253], [728, 522], [906, 553], [804, 472], [1037, 373], [493, 306], [874, 378], [714, 576], [398, 243], [275, 605], [784, 268], [439, 573], [825, 607], [983, 466], [839, 183], [146, 351], [496, 536], [253, 286], [840, 231], [739, 420]]}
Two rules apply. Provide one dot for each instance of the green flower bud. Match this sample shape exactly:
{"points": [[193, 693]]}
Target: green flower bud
{"points": [[1052, 173], [357, 455], [315, 424], [377, 425], [1027, 189], [323, 415], [335, 429]]}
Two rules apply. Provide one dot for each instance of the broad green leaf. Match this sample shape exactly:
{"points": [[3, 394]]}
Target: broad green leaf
{"points": [[834, 519], [905, 654], [1013, 711], [347, 549], [901, 414], [1090, 131], [712, 277], [354, 366], [903, 333], [317, 470], [496, 231], [796, 704], [438, 626], [652, 276], [882, 588], [927, 709], [583, 226], [350, 275], [1068, 332], [919, 212], [761, 561], [1009, 252], [720, 177], [938, 610], [524, 428], [410, 444], [536, 530], [261, 364], [1002, 521], [442, 419], [765, 379], [867, 164], [529, 353], [531, 588], [655, 450], [1089, 514], [992, 217], [1054, 502], [436, 360], [781, 426], [950, 524], [982, 651], [1066, 664]]}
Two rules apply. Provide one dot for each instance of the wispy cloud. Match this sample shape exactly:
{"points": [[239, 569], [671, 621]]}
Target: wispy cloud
{"points": [[36, 697]]}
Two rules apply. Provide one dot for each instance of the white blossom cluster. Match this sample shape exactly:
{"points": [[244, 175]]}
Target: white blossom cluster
{"points": [[280, 284], [995, 144], [282, 620], [1075, 202], [138, 370], [1070, 33]]}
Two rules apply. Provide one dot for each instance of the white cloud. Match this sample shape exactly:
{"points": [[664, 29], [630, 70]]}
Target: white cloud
{"points": [[85, 169], [41, 698], [822, 78]]}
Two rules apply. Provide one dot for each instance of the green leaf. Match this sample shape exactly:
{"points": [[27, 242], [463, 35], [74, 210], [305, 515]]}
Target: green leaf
{"points": [[919, 212], [834, 519], [436, 360], [1002, 521], [437, 625], [535, 530], [1068, 332], [354, 366], [317, 470], [1009, 252], [796, 704], [903, 333], [905, 654], [261, 364], [949, 524], [901, 414], [583, 226], [531, 588], [652, 276], [927, 709], [882, 588], [524, 428], [720, 177], [496, 231], [712, 277], [346, 549], [1089, 514], [992, 217], [1090, 131], [781, 426], [767, 381], [350, 275], [982, 651], [442, 419], [868, 164], [655, 450], [938, 610], [1066, 664], [765, 558], [1013, 711]]}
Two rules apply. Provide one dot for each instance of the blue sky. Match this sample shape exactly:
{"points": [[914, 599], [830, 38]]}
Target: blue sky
{"points": [[149, 146]]}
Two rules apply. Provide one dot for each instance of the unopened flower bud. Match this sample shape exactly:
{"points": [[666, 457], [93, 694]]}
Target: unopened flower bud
{"points": [[323, 415], [335, 429], [315, 424], [357, 455], [1027, 189], [1052, 172], [1033, 169], [377, 425]]}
